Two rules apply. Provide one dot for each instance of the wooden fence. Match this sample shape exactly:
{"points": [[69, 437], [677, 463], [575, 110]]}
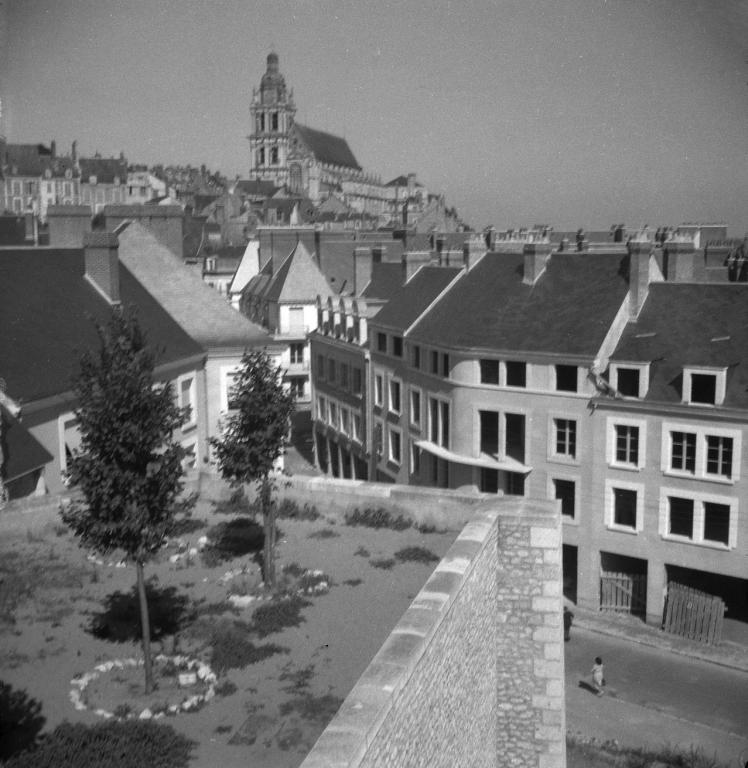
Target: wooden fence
{"points": [[623, 592], [693, 614]]}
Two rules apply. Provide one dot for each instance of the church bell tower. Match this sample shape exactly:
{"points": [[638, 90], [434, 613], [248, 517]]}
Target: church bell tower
{"points": [[272, 113]]}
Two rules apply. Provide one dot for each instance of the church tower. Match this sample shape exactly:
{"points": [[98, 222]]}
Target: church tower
{"points": [[272, 113]]}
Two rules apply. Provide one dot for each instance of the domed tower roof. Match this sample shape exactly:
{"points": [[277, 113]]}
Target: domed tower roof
{"points": [[273, 79]]}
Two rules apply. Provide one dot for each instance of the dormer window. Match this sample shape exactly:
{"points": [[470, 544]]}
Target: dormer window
{"points": [[92, 179], [704, 386], [630, 380]]}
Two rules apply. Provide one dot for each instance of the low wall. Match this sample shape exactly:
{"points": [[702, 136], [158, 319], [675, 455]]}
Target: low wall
{"points": [[473, 673]]}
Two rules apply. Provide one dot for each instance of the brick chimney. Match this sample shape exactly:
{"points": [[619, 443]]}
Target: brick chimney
{"points": [[640, 253], [536, 255], [102, 263], [411, 261], [473, 248], [679, 261], [362, 260], [378, 252]]}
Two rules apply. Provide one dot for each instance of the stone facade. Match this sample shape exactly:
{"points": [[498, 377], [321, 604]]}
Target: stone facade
{"points": [[473, 674]]}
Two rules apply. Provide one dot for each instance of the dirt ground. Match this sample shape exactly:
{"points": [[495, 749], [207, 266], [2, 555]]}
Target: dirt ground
{"points": [[61, 614]]}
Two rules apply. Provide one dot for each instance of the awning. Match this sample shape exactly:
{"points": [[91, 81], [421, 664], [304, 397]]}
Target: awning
{"points": [[22, 452], [484, 460]]}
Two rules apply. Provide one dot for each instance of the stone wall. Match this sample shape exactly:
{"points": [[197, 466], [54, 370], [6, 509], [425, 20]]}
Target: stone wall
{"points": [[473, 673]]}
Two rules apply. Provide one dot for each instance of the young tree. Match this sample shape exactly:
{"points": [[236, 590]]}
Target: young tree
{"points": [[255, 436], [128, 468]]}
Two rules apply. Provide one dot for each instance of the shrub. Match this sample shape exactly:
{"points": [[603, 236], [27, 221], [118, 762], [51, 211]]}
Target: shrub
{"points": [[353, 582], [114, 743], [290, 509], [293, 569], [276, 616], [384, 563], [325, 533], [362, 552], [236, 504], [416, 555], [231, 539], [225, 688], [232, 649], [377, 518]]}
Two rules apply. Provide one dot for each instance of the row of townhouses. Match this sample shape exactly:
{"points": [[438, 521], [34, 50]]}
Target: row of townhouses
{"points": [[613, 381]]}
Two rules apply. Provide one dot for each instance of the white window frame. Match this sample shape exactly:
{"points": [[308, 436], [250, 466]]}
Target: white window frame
{"points": [[719, 387], [345, 415], [551, 492], [192, 396], [699, 499], [419, 392], [62, 420], [643, 377], [390, 431], [379, 390], [226, 373], [333, 410], [322, 409], [610, 486], [552, 455], [610, 448], [393, 380], [356, 426], [701, 431], [440, 421]]}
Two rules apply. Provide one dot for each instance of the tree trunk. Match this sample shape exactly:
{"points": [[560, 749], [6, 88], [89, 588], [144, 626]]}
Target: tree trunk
{"points": [[145, 624], [268, 516]]}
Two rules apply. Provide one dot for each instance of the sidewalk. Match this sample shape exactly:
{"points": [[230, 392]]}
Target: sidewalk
{"points": [[729, 653]]}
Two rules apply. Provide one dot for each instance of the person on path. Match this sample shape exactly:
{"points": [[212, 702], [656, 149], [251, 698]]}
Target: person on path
{"points": [[568, 619], [598, 676]]}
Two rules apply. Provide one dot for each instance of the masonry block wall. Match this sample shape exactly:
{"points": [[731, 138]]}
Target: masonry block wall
{"points": [[473, 673]]}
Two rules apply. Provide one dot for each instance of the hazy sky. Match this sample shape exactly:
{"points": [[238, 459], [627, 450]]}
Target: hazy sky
{"points": [[567, 112]]}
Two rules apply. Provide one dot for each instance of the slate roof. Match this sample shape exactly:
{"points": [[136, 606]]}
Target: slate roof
{"points": [[46, 313], [685, 324], [298, 279], [326, 147], [400, 181], [22, 452], [410, 300], [386, 278], [256, 187], [104, 168], [567, 311], [197, 307], [26, 159]]}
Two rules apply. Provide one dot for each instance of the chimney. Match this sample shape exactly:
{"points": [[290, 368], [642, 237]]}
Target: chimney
{"points": [[439, 249], [679, 261], [490, 234], [536, 255], [53, 149], [411, 261], [378, 253], [411, 184], [640, 253], [102, 263], [362, 260], [472, 250]]}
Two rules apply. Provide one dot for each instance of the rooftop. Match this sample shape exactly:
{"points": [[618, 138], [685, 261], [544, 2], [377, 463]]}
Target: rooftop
{"points": [[326, 147]]}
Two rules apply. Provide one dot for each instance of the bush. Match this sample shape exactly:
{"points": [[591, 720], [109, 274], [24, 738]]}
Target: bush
{"points": [[276, 616], [231, 539], [416, 555], [115, 744], [384, 563], [184, 526], [232, 649], [236, 504], [290, 509], [225, 688], [377, 518]]}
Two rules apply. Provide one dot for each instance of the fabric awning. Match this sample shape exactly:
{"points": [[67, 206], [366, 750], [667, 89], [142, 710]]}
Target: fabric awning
{"points": [[484, 460]]}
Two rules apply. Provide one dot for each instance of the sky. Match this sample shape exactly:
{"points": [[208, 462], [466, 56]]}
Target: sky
{"points": [[569, 113]]}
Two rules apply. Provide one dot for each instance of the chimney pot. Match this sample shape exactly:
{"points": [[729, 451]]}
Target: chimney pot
{"points": [[679, 261], [640, 252], [102, 263]]}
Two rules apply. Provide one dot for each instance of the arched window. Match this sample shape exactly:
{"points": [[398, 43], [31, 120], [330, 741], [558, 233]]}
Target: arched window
{"points": [[294, 179]]}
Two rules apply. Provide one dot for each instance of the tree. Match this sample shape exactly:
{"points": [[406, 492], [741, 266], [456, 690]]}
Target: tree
{"points": [[128, 468], [256, 435]]}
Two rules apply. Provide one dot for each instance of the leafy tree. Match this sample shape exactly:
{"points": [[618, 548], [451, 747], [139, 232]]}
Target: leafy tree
{"points": [[128, 468], [256, 435]]}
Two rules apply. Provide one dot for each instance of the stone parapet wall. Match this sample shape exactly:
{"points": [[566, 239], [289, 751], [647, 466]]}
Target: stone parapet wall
{"points": [[473, 674]]}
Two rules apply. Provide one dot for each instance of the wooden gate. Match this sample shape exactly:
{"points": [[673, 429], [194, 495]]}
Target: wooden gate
{"points": [[693, 614], [623, 592]]}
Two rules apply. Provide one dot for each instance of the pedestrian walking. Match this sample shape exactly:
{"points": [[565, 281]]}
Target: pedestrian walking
{"points": [[568, 620], [598, 676]]}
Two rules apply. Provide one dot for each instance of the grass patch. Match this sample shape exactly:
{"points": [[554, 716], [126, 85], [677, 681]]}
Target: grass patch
{"points": [[236, 504], [290, 509], [231, 649], [225, 688], [353, 582], [276, 616], [378, 517], [325, 533], [362, 552], [318, 709], [590, 753], [416, 555], [383, 563]]}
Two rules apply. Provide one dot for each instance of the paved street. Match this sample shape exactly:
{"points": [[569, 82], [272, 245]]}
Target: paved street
{"points": [[654, 697]]}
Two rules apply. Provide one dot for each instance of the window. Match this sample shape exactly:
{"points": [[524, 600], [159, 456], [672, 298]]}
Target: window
{"points": [[397, 346], [356, 427], [719, 456], [566, 378], [395, 404], [296, 385], [514, 441], [683, 452], [416, 356], [70, 439], [489, 432], [297, 353], [321, 367], [378, 390], [565, 437], [333, 415], [187, 398], [439, 422], [395, 444], [489, 371], [434, 355], [382, 342], [627, 381], [415, 459], [627, 444], [357, 378], [344, 375], [261, 122], [415, 407], [704, 387], [698, 518], [445, 365], [274, 156], [274, 121], [229, 375], [565, 491], [261, 156], [516, 373], [345, 421], [624, 507], [331, 370], [321, 409]]}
